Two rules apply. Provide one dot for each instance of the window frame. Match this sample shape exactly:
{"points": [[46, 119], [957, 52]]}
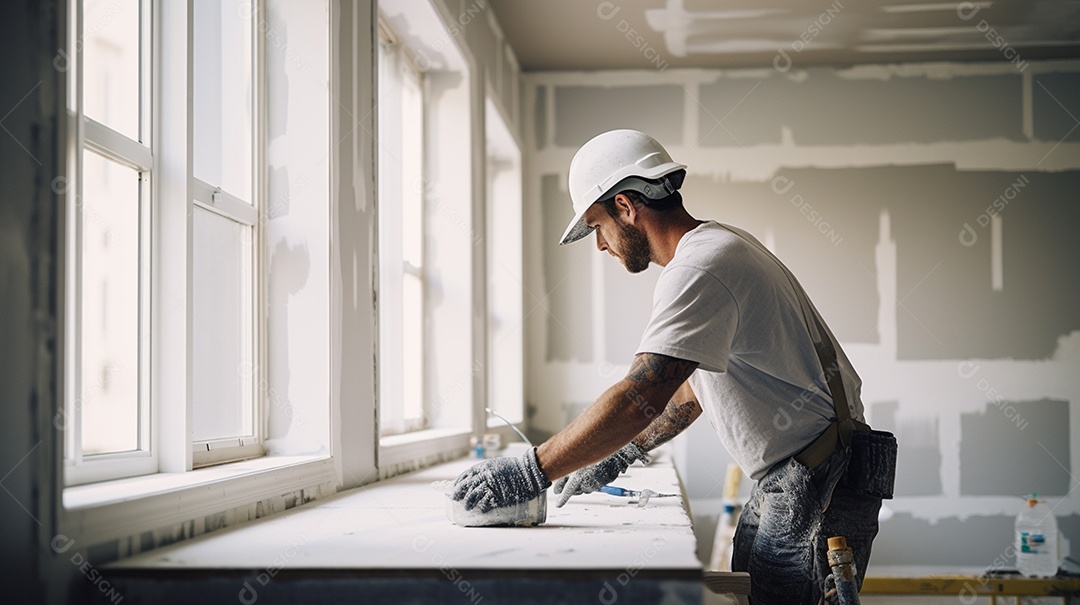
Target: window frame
{"points": [[393, 53], [214, 198], [453, 208], [159, 450], [119, 511], [91, 136], [503, 155]]}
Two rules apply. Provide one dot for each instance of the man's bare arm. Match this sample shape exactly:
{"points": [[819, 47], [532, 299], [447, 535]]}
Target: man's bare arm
{"points": [[681, 412], [619, 415]]}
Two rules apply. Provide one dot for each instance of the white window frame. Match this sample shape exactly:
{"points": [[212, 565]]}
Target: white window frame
{"points": [[174, 494], [454, 374], [211, 197], [161, 442], [92, 136], [505, 369], [398, 383]]}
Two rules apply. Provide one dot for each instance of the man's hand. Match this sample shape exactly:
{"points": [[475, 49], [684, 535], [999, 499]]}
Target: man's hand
{"points": [[500, 482], [593, 477]]}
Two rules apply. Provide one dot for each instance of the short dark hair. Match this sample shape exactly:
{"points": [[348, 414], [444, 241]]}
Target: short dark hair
{"points": [[672, 201], [669, 182]]}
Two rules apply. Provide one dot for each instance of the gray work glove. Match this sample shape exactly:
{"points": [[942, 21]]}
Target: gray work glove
{"points": [[500, 482], [591, 478]]}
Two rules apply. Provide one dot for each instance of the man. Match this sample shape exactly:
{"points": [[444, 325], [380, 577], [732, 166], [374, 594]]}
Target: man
{"points": [[731, 335]]}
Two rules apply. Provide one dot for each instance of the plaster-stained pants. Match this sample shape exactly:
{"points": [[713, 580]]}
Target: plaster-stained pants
{"points": [[782, 534]]}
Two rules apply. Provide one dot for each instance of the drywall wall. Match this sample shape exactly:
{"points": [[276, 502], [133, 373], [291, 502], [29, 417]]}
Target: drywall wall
{"points": [[295, 382], [927, 210]]}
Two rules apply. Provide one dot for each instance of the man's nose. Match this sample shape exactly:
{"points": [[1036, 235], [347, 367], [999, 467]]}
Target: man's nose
{"points": [[601, 245]]}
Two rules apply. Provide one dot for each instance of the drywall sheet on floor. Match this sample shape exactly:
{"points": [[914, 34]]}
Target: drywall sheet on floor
{"points": [[1013, 448], [567, 295], [586, 111], [918, 464], [823, 107]]}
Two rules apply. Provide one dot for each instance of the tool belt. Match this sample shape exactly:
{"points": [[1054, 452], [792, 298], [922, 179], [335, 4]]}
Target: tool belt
{"points": [[871, 460]]}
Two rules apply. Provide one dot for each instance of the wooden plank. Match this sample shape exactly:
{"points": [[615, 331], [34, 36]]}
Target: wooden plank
{"points": [[970, 586], [727, 582]]}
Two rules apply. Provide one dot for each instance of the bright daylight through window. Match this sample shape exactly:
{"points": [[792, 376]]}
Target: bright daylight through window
{"points": [[401, 242], [114, 286]]}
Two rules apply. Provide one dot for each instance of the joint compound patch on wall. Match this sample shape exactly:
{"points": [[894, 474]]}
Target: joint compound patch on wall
{"points": [[540, 117], [1056, 101], [626, 309], [825, 228], [1016, 448], [918, 465], [961, 288], [984, 538], [586, 111], [836, 110], [566, 302]]}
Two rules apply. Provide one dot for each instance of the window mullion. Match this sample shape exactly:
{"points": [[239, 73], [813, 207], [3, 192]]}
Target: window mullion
{"points": [[116, 146], [73, 406], [222, 202], [172, 229]]}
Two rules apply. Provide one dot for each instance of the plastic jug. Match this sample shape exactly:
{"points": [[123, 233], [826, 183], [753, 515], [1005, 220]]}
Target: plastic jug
{"points": [[1036, 539]]}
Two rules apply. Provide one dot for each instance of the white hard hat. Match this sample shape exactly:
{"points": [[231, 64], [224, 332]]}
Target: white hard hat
{"points": [[607, 161]]}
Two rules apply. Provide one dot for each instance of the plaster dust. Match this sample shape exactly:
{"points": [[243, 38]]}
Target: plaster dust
{"points": [[401, 523]]}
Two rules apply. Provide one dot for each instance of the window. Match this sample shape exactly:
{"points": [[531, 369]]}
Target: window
{"points": [[231, 260], [430, 367], [107, 415], [401, 243], [111, 420], [505, 348], [225, 235]]}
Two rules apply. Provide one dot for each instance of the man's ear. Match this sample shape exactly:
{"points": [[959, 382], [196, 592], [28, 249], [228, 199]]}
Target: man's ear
{"points": [[628, 212]]}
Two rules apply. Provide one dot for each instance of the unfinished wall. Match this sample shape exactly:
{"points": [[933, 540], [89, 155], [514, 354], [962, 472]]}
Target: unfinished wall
{"points": [[930, 211]]}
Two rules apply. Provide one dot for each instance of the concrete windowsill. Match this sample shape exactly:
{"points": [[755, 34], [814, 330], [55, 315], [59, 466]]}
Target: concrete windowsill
{"points": [[401, 524]]}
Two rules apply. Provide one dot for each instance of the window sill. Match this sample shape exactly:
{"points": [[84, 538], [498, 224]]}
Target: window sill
{"points": [[115, 509], [403, 453]]}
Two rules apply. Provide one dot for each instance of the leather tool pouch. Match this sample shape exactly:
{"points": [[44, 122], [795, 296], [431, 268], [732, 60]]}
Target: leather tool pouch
{"points": [[871, 467]]}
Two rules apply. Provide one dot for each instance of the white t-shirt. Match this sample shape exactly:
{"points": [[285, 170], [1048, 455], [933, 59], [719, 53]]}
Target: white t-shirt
{"points": [[728, 306]]}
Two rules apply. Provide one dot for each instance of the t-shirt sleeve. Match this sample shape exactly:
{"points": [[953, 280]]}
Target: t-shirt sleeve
{"points": [[694, 317]]}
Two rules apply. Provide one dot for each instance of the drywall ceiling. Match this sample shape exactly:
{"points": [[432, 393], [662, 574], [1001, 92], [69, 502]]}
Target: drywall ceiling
{"points": [[658, 34]]}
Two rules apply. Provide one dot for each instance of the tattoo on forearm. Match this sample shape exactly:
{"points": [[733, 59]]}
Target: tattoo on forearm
{"points": [[652, 374], [657, 370], [676, 417]]}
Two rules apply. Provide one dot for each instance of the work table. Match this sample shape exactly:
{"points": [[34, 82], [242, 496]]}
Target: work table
{"points": [[393, 538]]}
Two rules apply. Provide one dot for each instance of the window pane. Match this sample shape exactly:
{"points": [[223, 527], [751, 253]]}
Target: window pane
{"points": [[413, 346], [110, 45], [401, 249], [505, 344], [221, 327], [412, 161], [109, 320], [223, 95]]}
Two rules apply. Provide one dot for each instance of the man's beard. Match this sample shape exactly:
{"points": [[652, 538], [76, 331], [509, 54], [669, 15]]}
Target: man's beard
{"points": [[634, 248]]}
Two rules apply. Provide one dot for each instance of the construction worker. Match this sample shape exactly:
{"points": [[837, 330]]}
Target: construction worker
{"points": [[731, 335]]}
